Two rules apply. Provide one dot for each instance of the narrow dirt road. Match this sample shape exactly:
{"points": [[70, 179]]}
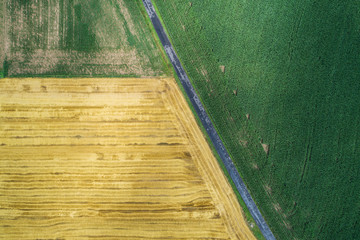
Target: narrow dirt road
{"points": [[199, 108]]}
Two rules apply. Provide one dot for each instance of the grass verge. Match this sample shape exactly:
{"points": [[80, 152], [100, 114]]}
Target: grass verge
{"points": [[251, 222]]}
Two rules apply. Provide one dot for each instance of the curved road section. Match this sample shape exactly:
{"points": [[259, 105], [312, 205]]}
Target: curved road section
{"points": [[205, 120]]}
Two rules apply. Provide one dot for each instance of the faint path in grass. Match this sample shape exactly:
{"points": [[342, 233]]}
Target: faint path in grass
{"points": [[199, 108]]}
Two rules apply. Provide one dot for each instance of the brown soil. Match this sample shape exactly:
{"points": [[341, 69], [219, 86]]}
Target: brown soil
{"points": [[266, 148], [222, 68]]}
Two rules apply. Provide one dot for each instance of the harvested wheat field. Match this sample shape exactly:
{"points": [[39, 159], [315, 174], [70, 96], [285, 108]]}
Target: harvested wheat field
{"points": [[108, 159]]}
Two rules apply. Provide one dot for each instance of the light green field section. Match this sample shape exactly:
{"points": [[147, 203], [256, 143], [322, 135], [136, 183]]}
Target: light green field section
{"points": [[2, 42], [81, 38]]}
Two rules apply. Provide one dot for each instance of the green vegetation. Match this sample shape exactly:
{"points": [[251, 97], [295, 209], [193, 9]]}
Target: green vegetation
{"points": [[293, 67], [2, 42], [250, 220], [80, 38]]}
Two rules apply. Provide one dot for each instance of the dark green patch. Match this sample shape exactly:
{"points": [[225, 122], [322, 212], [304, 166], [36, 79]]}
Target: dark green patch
{"points": [[5, 68]]}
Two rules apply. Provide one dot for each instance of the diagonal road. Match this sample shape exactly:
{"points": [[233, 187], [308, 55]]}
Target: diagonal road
{"points": [[205, 120]]}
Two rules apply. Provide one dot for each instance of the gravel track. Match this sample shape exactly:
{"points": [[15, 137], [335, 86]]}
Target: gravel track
{"points": [[205, 120]]}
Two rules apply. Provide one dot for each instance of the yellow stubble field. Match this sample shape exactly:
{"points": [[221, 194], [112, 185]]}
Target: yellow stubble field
{"points": [[108, 158]]}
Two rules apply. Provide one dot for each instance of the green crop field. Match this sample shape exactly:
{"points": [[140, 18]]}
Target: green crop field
{"points": [[285, 74], [78, 38], [2, 43]]}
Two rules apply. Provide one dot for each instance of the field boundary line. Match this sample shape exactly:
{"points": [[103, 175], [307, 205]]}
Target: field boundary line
{"points": [[207, 124]]}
